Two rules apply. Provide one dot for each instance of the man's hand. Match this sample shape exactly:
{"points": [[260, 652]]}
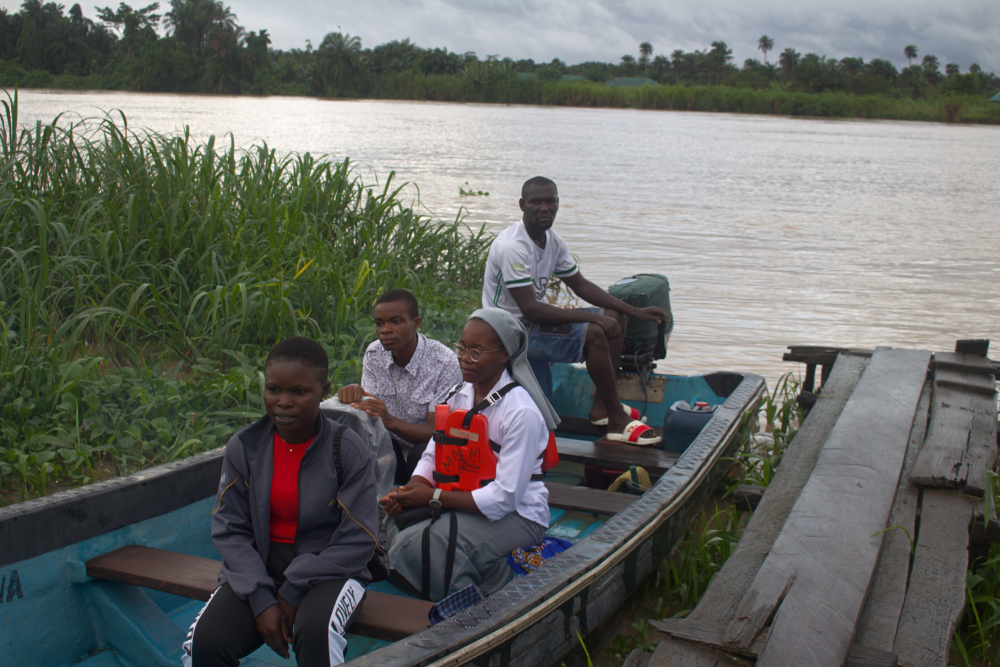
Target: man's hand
{"points": [[375, 408], [414, 494], [275, 629], [610, 325], [391, 507], [652, 313], [352, 393]]}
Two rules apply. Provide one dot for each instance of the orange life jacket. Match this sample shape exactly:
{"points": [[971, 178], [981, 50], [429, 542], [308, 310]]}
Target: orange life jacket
{"points": [[465, 459]]}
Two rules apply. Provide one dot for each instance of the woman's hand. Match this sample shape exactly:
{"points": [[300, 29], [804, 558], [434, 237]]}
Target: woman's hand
{"points": [[289, 612], [275, 628]]}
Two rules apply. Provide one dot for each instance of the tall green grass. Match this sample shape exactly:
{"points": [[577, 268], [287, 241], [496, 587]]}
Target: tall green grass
{"points": [[143, 276]]}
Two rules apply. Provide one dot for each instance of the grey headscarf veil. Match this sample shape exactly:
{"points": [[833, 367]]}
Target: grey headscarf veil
{"points": [[515, 340]]}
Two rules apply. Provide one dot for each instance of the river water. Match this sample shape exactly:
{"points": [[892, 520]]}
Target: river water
{"points": [[773, 231]]}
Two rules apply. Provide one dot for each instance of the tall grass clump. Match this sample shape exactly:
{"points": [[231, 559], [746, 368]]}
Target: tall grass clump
{"points": [[977, 640], [143, 276]]}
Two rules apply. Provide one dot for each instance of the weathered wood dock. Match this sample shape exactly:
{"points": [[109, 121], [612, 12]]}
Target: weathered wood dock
{"points": [[858, 550]]}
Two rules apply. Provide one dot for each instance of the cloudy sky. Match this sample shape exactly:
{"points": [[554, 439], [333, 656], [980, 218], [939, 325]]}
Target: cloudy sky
{"points": [[959, 31]]}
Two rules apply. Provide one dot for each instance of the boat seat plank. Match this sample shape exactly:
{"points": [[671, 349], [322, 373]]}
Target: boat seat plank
{"points": [[615, 455], [719, 602], [583, 499], [960, 447], [383, 615], [822, 562], [935, 598], [580, 426]]}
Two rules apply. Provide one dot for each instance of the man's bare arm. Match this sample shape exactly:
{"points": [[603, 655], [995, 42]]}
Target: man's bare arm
{"points": [[544, 313], [591, 293]]}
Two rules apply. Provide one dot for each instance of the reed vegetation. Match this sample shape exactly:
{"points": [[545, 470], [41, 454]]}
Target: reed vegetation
{"points": [[773, 101], [144, 276]]}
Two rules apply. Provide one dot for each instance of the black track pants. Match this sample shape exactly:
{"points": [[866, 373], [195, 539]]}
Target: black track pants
{"points": [[225, 631]]}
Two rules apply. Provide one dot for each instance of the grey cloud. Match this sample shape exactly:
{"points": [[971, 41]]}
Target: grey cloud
{"points": [[576, 31]]}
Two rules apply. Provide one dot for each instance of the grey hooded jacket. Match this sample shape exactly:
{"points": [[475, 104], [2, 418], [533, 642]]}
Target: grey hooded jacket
{"points": [[337, 523]]}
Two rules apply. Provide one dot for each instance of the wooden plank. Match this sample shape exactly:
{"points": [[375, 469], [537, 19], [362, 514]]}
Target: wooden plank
{"points": [[963, 362], [814, 581], [880, 616], [709, 636], [705, 633], [637, 658], [583, 499], [720, 601], [383, 615], [960, 447], [977, 346], [936, 595], [672, 652], [580, 426], [167, 571], [615, 455]]}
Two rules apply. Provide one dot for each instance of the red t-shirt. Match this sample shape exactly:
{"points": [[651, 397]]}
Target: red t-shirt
{"points": [[285, 489]]}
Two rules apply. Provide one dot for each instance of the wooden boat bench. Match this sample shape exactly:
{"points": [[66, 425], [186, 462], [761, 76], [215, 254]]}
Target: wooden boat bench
{"points": [[383, 616]]}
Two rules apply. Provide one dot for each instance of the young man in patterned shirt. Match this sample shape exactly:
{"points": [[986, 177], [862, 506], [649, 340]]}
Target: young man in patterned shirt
{"points": [[404, 375]]}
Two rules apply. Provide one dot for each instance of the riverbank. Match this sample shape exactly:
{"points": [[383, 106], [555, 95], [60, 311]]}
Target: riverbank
{"points": [[145, 276], [770, 101]]}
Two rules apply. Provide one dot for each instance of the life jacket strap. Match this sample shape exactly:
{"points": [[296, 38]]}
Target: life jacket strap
{"points": [[492, 399], [445, 479], [442, 438]]}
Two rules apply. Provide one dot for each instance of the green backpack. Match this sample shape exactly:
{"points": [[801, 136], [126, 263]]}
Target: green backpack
{"points": [[645, 338]]}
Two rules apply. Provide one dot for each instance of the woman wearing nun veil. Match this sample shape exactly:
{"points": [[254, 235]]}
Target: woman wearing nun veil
{"points": [[468, 545]]}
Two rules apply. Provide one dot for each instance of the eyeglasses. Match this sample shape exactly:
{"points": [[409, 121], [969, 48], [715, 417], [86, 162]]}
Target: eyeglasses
{"points": [[475, 354]]}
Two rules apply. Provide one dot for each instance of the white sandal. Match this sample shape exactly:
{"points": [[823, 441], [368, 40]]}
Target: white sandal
{"points": [[636, 433], [629, 410]]}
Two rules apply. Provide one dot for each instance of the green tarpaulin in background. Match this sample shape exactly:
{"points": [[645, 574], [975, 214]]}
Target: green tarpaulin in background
{"points": [[995, 98]]}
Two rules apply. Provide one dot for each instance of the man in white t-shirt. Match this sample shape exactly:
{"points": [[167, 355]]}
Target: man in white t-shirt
{"points": [[521, 263]]}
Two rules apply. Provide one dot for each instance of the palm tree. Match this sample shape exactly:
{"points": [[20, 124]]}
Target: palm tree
{"points": [[788, 59], [930, 62], [765, 44], [661, 65], [193, 21], [628, 63], [910, 52], [974, 68], [951, 69], [645, 51]]}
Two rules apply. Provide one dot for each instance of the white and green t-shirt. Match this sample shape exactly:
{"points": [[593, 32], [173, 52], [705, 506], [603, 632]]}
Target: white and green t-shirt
{"points": [[515, 261]]}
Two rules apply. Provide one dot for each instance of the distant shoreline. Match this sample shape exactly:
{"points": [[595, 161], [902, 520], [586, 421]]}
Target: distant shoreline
{"points": [[955, 109]]}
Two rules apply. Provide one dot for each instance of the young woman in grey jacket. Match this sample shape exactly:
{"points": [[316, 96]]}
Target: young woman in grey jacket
{"points": [[294, 532]]}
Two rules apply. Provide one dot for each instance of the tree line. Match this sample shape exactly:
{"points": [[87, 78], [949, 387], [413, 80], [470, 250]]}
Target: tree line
{"points": [[204, 49]]}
